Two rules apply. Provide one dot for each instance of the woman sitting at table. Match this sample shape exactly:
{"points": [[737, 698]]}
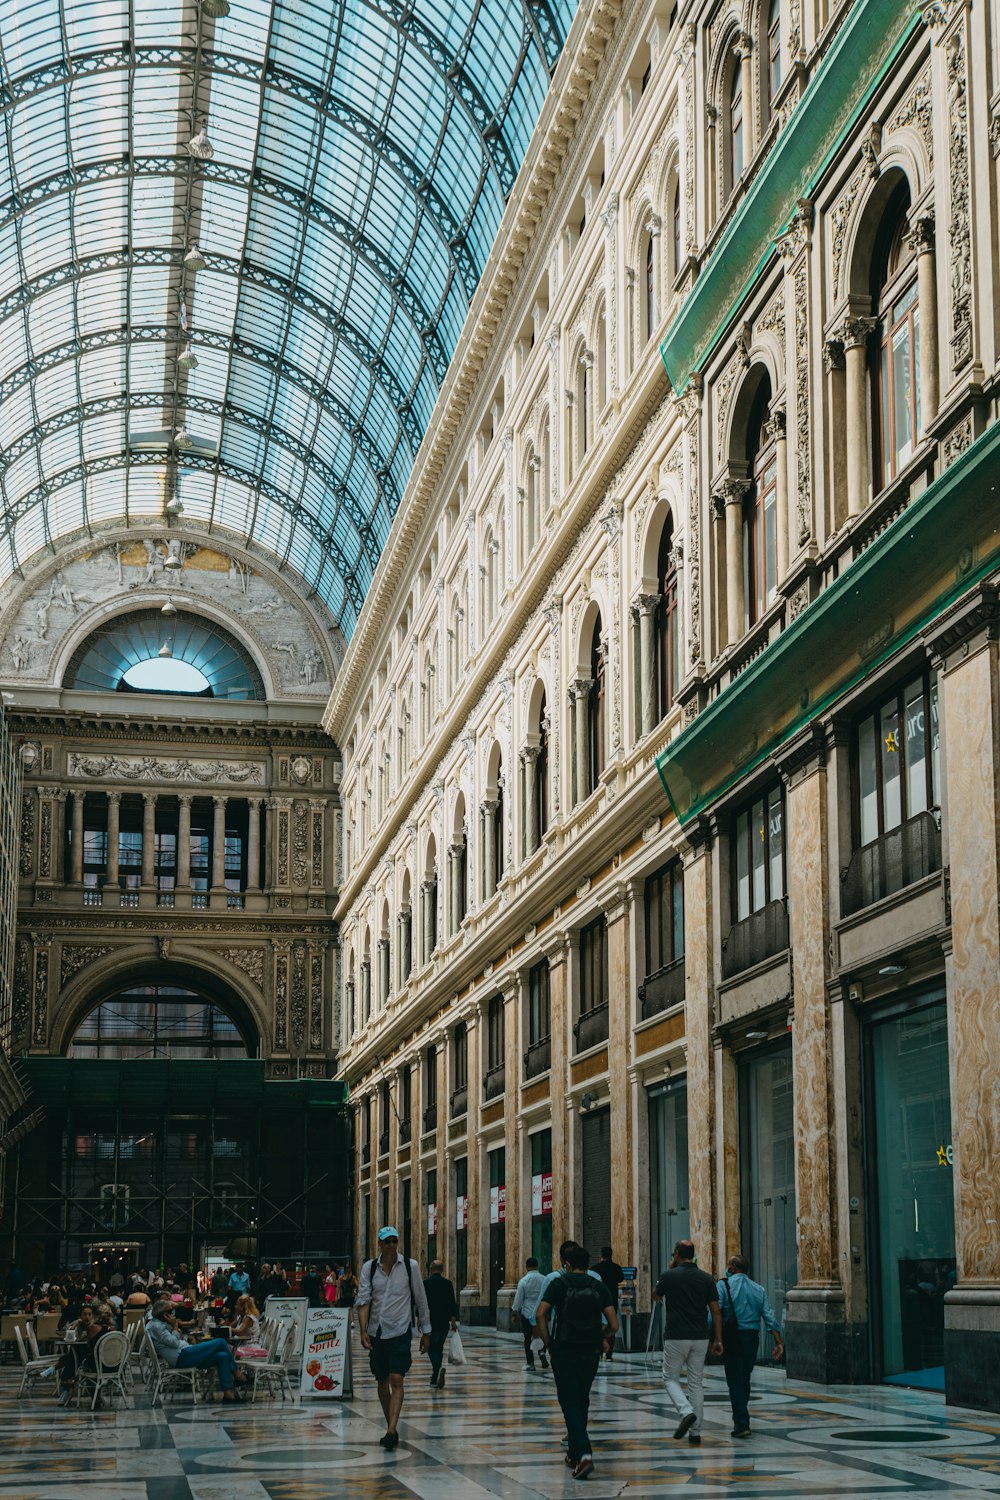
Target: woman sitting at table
{"points": [[246, 1321], [184, 1318], [173, 1349], [91, 1326]]}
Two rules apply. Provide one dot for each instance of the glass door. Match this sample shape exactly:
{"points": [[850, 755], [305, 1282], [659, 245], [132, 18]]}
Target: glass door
{"points": [[910, 1191], [669, 1219], [767, 1171]]}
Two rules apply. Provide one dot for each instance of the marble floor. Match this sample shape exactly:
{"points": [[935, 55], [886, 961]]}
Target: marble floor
{"points": [[495, 1430]]}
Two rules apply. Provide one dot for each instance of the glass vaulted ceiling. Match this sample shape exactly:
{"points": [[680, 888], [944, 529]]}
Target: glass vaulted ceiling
{"points": [[359, 154]]}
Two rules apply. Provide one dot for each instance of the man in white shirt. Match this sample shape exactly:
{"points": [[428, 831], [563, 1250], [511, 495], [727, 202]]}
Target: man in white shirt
{"points": [[526, 1299], [391, 1298]]}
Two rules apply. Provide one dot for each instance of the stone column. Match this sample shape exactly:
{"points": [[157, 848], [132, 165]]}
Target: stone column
{"points": [[383, 972], [352, 1016], [76, 840], [253, 843], [744, 51], [922, 238], [580, 694], [219, 844], [529, 759], [836, 391], [816, 1321], [148, 839], [477, 1219], [559, 998], [114, 830], [445, 1212], [855, 335], [427, 922], [699, 931], [776, 430], [620, 990], [489, 848], [729, 503], [966, 650], [366, 991], [455, 885], [184, 841], [513, 1251], [645, 610]]}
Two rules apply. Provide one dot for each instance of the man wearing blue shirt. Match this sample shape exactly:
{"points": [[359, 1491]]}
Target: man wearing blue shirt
{"points": [[745, 1300]]}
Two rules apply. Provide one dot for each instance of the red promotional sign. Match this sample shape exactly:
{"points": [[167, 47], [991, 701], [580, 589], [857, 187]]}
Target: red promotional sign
{"points": [[502, 1205], [547, 1193]]}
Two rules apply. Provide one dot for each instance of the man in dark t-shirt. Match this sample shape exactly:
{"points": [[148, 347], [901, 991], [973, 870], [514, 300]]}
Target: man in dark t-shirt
{"points": [[688, 1295], [610, 1273]]}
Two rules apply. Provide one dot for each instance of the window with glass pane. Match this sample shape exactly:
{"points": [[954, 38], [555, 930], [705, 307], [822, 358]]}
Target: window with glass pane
{"points": [[896, 749], [650, 289], [495, 1033], [460, 1057], [736, 126], [760, 514], [774, 48], [676, 225], [430, 1077], [894, 351], [541, 771], [538, 1003], [667, 631], [593, 965], [595, 717], [664, 917], [759, 854]]}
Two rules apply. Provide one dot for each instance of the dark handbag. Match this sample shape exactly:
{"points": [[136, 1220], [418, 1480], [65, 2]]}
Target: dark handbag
{"points": [[730, 1332]]}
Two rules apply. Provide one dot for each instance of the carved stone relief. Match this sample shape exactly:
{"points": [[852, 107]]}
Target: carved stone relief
{"points": [[281, 1000], [76, 956], [41, 1026], [21, 999], [300, 844], [153, 768], [316, 1000], [803, 486], [26, 859], [959, 228], [250, 960], [299, 996]]}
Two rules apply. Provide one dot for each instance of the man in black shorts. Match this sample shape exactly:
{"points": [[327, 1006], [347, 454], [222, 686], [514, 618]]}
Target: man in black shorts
{"points": [[391, 1299]]}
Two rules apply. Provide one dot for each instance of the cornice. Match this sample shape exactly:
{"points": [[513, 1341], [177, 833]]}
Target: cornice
{"points": [[564, 107], [162, 728]]}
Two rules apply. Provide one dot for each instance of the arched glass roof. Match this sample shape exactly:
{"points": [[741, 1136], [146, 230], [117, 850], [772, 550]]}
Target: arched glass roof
{"points": [[342, 166], [100, 663]]}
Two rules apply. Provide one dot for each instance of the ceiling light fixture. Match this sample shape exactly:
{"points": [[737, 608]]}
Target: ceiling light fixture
{"points": [[756, 1036], [187, 359], [194, 260], [174, 507], [169, 609], [216, 10], [200, 146], [889, 971], [165, 650], [183, 439]]}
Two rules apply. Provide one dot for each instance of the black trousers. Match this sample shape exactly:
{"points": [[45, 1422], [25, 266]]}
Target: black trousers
{"points": [[439, 1337], [574, 1371], [528, 1332]]}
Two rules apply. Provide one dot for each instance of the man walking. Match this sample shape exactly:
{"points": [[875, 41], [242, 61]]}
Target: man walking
{"points": [[610, 1273], [579, 1303], [745, 1300], [311, 1288], [525, 1303], [391, 1299], [444, 1316], [687, 1293]]}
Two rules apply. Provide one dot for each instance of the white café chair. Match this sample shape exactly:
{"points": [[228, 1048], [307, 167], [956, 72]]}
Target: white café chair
{"points": [[111, 1360], [33, 1369], [271, 1372], [167, 1379]]}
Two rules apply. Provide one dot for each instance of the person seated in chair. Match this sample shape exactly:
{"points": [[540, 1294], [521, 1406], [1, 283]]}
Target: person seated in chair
{"points": [[172, 1347], [91, 1327]]}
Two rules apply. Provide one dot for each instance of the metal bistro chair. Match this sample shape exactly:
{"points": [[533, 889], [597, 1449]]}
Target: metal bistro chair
{"points": [[10, 1322], [111, 1359], [167, 1379], [44, 1330], [33, 1370], [271, 1372]]}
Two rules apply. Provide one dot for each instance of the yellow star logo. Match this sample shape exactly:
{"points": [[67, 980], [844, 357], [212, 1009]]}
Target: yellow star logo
{"points": [[942, 1156], [891, 744]]}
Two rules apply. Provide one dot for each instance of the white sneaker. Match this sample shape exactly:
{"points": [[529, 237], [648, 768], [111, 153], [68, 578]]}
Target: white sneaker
{"points": [[529, 1367]]}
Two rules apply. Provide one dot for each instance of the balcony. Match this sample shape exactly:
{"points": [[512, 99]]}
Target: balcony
{"points": [[430, 1118], [93, 898], [128, 898], [538, 1058], [493, 1083], [383, 1143], [890, 863], [165, 898], [235, 901], [592, 1027], [460, 1102], [659, 991], [760, 936], [199, 900]]}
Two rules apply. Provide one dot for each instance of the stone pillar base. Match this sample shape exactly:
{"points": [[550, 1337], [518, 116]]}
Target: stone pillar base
{"points": [[972, 1348], [820, 1343], [471, 1310], [505, 1318]]}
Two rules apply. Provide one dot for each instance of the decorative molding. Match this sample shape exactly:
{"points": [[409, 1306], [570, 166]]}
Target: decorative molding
{"points": [[76, 956], [250, 960], [153, 768]]}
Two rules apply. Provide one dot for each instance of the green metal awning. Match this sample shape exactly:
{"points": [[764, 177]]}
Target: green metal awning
{"points": [[864, 49], [57, 1082], [946, 541]]}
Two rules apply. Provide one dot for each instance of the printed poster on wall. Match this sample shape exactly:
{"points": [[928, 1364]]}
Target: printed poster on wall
{"points": [[326, 1356], [289, 1310], [498, 1205], [541, 1194], [461, 1211], [547, 1193], [432, 1218]]}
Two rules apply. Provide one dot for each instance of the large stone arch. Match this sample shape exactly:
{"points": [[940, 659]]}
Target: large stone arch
{"points": [[132, 964]]}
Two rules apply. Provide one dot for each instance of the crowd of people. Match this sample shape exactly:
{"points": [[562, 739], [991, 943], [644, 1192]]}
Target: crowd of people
{"points": [[569, 1319]]}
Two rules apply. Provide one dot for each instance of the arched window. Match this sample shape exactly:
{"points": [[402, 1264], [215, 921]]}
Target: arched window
{"points": [[545, 470], [429, 893], [498, 832], [601, 391], [405, 931], [158, 1021], [760, 514], [676, 229], [736, 126], [773, 50], [583, 401], [595, 715], [459, 865], [650, 290], [667, 635], [894, 359], [542, 770]]}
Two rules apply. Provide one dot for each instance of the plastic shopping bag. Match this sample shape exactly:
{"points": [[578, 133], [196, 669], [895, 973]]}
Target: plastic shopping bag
{"points": [[537, 1347], [456, 1354]]}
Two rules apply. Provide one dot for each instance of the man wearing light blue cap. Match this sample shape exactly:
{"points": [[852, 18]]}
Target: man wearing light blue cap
{"points": [[391, 1300]]}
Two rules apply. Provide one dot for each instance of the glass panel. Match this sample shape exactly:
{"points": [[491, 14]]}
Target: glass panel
{"points": [[866, 781], [935, 744], [888, 451], [776, 845], [916, 749], [669, 1219], [742, 866], [770, 533], [912, 1158], [767, 1165], [678, 913], [891, 794], [759, 854], [902, 394]]}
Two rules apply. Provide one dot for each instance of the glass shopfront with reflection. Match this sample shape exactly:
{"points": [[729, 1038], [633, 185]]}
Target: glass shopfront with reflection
{"points": [[911, 1211], [767, 1170]]}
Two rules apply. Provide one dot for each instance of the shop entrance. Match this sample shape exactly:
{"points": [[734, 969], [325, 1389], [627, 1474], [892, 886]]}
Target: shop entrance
{"points": [[910, 1202], [669, 1219], [767, 1170]]}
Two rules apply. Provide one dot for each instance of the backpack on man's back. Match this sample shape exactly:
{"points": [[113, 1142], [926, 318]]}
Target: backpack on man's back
{"points": [[579, 1317]]}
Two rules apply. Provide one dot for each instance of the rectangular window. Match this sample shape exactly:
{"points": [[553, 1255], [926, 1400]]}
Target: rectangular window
{"points": [[664, 903], [759, 854], [896, 747], [541, 1198], [593, 965], [460, 1057], [461, 1222], [430, 1077], [495, 1033], [539, 1024], [431, 1183]]}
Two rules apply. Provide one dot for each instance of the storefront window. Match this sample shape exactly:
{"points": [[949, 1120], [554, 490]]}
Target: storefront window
{"points": [[461, 1222], [498, 1221], [431, 1188], [669, 1219], [909, 1153], [541, 1199], [767, 1171]]}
